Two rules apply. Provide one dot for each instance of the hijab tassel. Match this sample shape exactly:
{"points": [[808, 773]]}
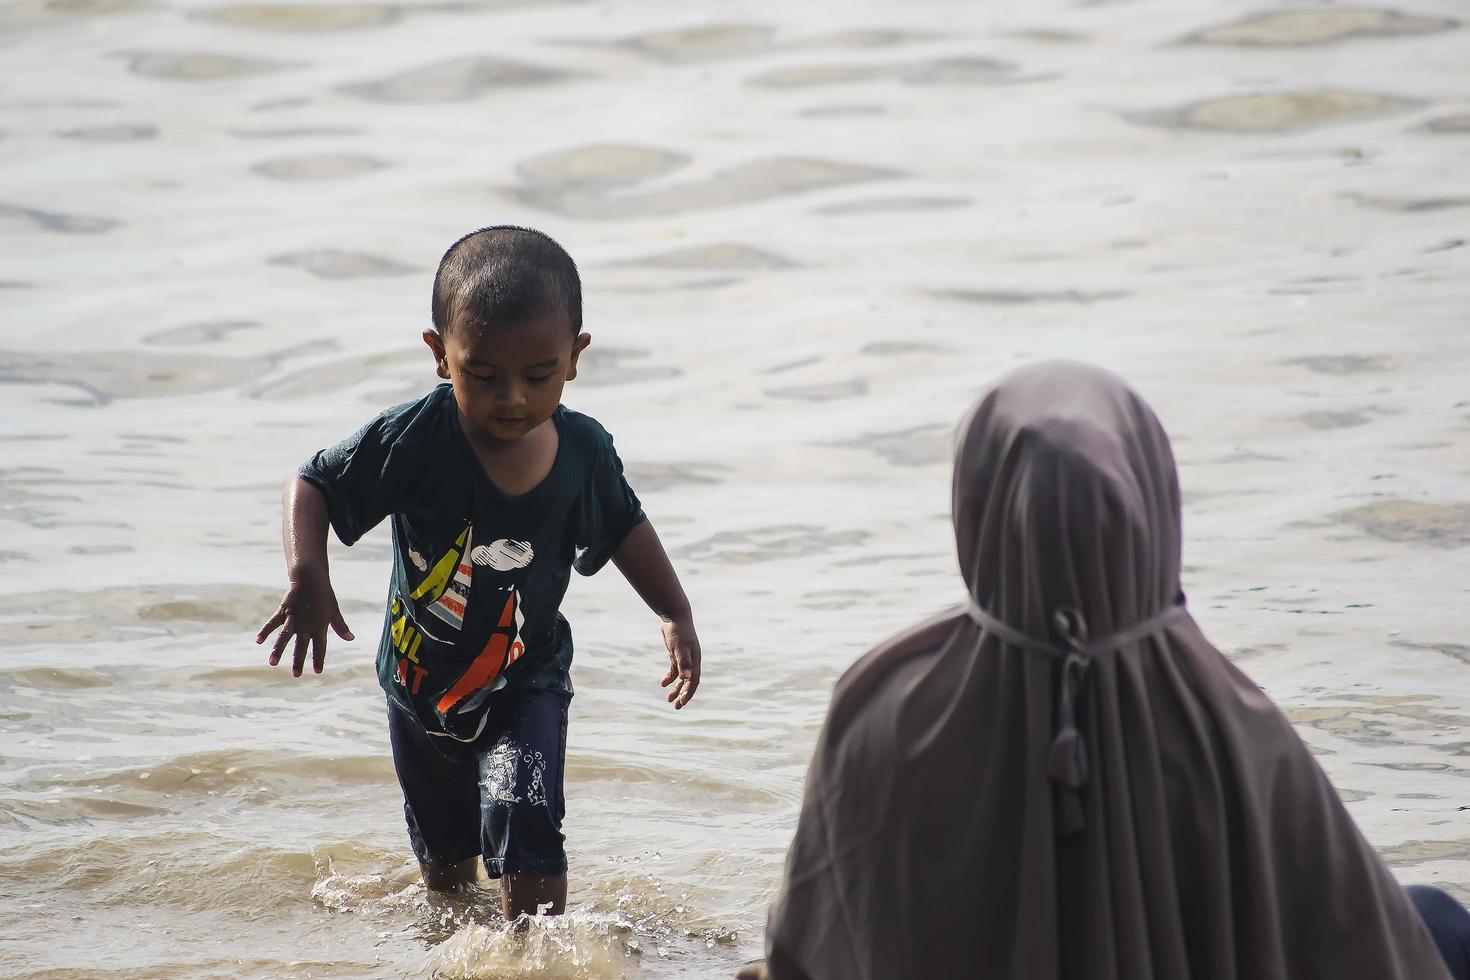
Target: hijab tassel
{"points": [[1068, 767]]}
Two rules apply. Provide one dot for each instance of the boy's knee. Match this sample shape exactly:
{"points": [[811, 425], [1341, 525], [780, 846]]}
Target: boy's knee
{"points": [[523, 838]]}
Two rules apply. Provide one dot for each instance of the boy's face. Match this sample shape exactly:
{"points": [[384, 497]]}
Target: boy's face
{"points": [[507, 379]]}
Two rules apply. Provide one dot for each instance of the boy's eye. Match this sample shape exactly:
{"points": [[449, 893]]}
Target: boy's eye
{"points": [[484, 379], [537, 379]]}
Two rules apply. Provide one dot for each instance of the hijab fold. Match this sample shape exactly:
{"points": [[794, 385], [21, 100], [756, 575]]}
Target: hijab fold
{"points": [[995, 794]]}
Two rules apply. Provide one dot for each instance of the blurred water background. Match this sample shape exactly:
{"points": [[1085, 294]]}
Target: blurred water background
{"points": [[809, 234]]}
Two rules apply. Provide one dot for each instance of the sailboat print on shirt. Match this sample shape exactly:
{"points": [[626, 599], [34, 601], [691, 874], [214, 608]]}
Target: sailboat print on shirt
{"points": [[446, 589], [448, 584], [503, 648]]}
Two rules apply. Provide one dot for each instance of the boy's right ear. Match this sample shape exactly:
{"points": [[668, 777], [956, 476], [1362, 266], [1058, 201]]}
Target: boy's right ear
{"points": [[436, 344]]}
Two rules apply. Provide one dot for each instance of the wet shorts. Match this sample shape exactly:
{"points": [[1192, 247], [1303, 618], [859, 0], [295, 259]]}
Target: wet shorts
{"points": [[499, 796]]}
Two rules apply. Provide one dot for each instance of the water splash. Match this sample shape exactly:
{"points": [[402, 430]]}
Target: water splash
{"points": [[581, 945]]}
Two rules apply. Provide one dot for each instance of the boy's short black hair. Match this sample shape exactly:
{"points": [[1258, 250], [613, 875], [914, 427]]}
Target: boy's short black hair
{"points": [[503, 275]]}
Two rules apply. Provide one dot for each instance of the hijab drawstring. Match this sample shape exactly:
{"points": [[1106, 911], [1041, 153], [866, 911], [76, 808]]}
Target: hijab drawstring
{"points": [[1067, 764]]}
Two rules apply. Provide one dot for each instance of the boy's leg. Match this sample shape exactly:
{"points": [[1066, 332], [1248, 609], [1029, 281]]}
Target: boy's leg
{"points": [[441, 803], [452, 878], [533, 895], [521, 801]]}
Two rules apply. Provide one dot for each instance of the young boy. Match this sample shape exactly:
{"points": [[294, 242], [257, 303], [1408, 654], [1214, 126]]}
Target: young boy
{"points": [[496, 492]]}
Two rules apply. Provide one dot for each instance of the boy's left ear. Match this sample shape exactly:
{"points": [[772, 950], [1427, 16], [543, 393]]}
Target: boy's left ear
{"points": [[578, 346]]}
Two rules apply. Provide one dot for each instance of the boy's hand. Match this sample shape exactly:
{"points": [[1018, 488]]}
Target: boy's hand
{"points": [[683, 644], [307, 609], [644, 563]]}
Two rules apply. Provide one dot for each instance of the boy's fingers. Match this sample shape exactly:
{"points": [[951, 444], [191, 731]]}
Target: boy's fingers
{"points": [[280, 646], [689, 677], [340, 626], [318, 652], [298, 654], [270, 625]]}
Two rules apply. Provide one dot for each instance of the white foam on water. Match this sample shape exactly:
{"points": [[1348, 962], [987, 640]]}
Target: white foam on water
{"points": [[576, 946]]}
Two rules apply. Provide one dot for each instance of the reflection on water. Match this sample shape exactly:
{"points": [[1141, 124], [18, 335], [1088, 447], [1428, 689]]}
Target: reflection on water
{"points": [[102, 376], [808, 233], [1281, 112], [71, 224], [1289, 28], [940, 71], [332, 263], [198, 66], [889, 204], [301, 16], [457, 80], [600, 193], [1433, 524], [42, 13], [319, 166], [1454, 123], [118, 133], [1011, 297], [723, 255]]}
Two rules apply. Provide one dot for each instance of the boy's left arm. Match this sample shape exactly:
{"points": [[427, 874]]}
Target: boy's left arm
{"points": [[644, 563]]}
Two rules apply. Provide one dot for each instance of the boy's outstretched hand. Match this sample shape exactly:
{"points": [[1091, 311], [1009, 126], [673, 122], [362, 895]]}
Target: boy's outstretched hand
{"points": [[307, 609], [683, 644], [644, 563]]}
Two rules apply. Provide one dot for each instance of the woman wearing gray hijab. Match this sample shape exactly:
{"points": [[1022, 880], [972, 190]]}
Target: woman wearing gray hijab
{"points": [[1063, 779]]}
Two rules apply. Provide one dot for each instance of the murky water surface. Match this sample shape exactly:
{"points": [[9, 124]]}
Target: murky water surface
{"points": [[809, 233]]}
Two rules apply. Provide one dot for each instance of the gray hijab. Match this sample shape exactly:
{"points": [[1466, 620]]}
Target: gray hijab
{"points": [[1064, 779]]}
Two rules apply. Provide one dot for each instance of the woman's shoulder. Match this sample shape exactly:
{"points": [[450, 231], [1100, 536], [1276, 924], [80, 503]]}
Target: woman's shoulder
{"points": [[875, 670]]}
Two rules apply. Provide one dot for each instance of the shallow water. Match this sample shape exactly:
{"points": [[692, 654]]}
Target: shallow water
{"points": [[809, 233]]}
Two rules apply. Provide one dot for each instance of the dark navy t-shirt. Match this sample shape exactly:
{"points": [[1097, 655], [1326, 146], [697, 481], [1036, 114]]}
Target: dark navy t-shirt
{"points": [[478, 575]]}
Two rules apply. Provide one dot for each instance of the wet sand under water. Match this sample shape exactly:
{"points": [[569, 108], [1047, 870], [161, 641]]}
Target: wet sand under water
{"points": [[808, 233]]}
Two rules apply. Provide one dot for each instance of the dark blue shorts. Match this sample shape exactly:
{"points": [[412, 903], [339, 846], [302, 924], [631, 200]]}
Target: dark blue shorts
{"points": [[499, 796], [1449, 926]]}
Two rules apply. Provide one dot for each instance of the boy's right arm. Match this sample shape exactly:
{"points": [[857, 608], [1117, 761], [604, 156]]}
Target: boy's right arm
{"points": [[310, 605]]}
